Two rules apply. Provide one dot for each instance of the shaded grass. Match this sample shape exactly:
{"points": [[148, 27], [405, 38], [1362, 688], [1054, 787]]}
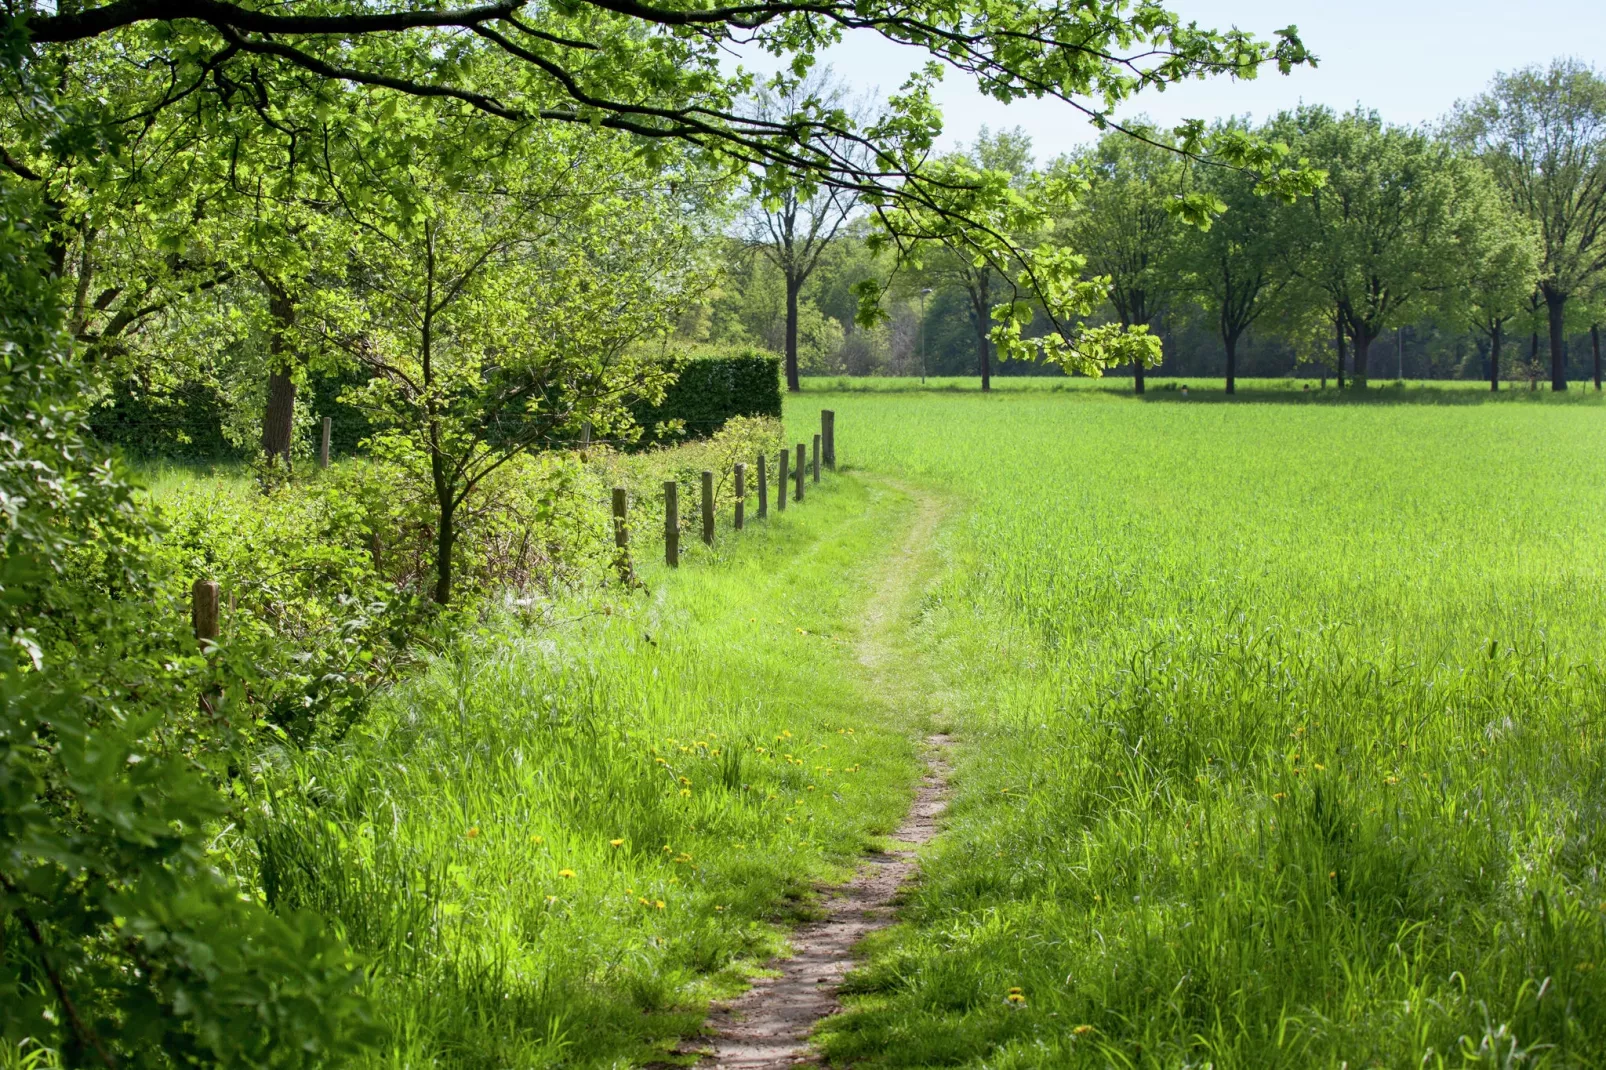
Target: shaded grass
{"points": [[554, 846], [1281, 736]]}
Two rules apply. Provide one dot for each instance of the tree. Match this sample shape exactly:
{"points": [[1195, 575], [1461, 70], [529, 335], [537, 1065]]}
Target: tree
{"points": [[1126, 225], [1501, 268], [1008, 155], [1381, 238], [657, 72], [794, 218], [1542, 134], [1235, 265], [509, 300]]}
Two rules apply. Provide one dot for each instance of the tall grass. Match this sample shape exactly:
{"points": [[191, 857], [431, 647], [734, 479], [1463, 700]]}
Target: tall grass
{"points": [[1281, 735], [553, 845]]}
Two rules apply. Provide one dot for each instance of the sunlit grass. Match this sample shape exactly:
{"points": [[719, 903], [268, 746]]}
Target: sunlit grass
{"points": [[554, 845], [1280, 731]]}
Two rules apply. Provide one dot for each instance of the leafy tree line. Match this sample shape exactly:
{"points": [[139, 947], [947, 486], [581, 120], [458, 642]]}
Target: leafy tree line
{"points": [[1487, 229]]}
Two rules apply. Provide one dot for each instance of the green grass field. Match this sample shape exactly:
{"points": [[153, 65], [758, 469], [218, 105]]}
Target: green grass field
{"points": [[555, 845], [1279, 744], [1280, 732]]}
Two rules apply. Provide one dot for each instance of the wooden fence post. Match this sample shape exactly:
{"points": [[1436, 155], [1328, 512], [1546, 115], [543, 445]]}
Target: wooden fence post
{"points": [[204, 617], [323, 444], [671, 524], [741, 493], [780, 483], [816, 458], [828, 432], [708, 508], [621, 536], [204, 611], [802, 466], [763, 487]]}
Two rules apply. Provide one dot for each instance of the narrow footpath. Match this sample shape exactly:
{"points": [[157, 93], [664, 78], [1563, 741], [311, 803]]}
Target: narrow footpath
{"points": [[770, 1024]]}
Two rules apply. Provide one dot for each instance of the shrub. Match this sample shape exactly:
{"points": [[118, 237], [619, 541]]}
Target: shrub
{"points": [[710, 390]]}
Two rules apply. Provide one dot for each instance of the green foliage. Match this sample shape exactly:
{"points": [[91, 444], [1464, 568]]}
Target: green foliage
{"points": [[709, 390], [123, 938]]}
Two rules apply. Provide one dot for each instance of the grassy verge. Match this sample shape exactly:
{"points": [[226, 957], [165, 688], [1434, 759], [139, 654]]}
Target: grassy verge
{"points": [[555, 845], [1283, 737]]}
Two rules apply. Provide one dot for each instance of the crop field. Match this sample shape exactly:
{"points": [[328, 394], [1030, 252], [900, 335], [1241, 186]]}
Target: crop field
{"points": [[1280, 733]]}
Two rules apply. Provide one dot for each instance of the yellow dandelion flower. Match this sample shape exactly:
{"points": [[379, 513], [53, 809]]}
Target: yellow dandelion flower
{"points": [[786, 732], [659, 903], [1082, 1030], [473, 833], [1319, 767], [802, 631], [616, 843], [566, 874], [1016, 997], [685, 793], [1391, 780], [1279, 796], [685, 780], [1016, 991], [537, 839]]}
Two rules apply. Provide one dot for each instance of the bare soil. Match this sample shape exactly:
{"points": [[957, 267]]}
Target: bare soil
{"points": [[769, 1025]]}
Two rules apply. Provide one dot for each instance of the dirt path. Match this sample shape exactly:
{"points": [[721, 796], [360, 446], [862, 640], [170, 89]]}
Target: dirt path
{"points": [[769, 1025]]}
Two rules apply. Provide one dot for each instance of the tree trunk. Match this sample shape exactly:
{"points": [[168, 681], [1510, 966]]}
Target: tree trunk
{"points": [[445, 538], [1363, 357], [1594, 343], [1338, 334], [446, 529], [1495, 338], [279, 416], [1231, 342], [1556, 305], [793, 286], [983, 343]]}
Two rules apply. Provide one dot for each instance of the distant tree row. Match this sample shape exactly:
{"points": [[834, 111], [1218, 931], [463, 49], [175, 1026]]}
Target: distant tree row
{"points": [[1488, 226]]}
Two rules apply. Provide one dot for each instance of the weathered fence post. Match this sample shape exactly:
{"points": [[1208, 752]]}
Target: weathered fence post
{"points": [[204, 611], [816, 458], [741, 493], [802, 465], [780, 483], [671, 524], [204, 617], [621, 536], [708, 508], [828, 432], [763, 487], [323, 443]]}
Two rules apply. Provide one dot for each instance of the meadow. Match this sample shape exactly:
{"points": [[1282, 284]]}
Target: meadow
{"points": [[1280, 734], [563, 833]]}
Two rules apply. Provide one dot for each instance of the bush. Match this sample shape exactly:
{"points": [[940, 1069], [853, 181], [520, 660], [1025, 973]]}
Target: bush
{"points": [[710, 390], [124, 937]]}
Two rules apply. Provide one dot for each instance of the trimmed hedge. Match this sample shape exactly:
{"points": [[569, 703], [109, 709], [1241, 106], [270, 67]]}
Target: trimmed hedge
{"points": [[710, 390], [185, 423]]}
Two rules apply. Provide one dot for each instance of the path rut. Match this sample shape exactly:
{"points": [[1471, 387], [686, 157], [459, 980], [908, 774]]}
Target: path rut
{"points": [[769, 1025]]}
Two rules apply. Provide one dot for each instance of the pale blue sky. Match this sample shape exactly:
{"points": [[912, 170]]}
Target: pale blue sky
{"points": [[1409, 59]]}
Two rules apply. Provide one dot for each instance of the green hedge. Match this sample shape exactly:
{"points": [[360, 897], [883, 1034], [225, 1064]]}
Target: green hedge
{"points": [[711, 389]]}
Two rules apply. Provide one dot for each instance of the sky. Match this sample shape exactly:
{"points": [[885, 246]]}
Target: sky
{"points": [[1411, 60]]}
